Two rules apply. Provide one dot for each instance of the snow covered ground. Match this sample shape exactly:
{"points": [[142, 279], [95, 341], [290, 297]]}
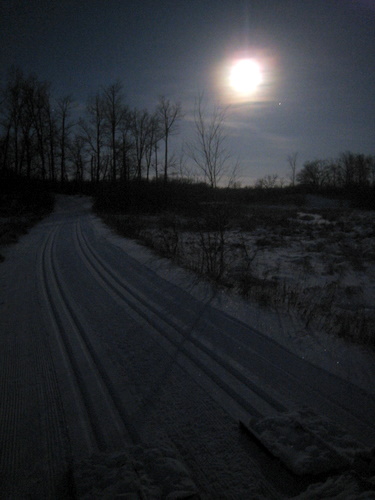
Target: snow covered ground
{"points": [[123, 374], [310, 275]]}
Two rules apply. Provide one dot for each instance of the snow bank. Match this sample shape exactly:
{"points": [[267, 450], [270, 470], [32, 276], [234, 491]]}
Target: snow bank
{"points": [[349, 361], [138, 472], [348, 486], [309, 444]]}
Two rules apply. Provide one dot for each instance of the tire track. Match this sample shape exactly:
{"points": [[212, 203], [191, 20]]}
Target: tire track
{"points": [[102, 421]]}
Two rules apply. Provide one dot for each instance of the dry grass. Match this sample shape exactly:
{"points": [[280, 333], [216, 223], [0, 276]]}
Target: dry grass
{"points": [[318, 264]]}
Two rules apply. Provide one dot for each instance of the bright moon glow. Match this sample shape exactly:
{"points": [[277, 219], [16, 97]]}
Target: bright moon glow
{"points": [[245, 76]]}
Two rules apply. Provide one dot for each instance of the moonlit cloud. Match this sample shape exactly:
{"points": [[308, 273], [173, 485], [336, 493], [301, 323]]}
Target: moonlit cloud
{"points": [[317, 59], [243, 92]]}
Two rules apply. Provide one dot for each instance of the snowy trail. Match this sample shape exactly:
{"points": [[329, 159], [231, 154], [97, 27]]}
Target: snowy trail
{"points": [[236, 353], [100, 355], [93, 391], [178, 338]]}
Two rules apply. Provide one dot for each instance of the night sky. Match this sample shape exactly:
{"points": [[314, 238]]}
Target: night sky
{"points": [[316, 57]]}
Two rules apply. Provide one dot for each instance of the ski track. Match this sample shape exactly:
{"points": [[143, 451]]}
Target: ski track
{"points": [[183, 343], [93, 391], [182, 349], [181, 373], [230, 374], [91, 404]]}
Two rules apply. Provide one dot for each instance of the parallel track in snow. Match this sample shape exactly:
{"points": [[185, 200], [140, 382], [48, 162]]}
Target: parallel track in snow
{"points": [[190, 354], [232, 379], [246, 396], [101, 419]]}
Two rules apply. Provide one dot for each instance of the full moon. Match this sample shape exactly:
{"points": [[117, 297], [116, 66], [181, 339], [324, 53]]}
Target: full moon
{"points": [[245, 76]]}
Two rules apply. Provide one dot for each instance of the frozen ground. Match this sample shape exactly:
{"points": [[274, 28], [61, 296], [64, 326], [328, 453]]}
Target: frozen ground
{"points": [[122, 374], [316, 262]]}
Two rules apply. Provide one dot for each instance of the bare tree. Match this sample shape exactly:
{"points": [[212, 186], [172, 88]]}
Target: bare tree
{"points": [[94, 133], [356, 169], [27, 122], [38, 105], [140, 127], [126, 144], [349, 170], [12, 106], [209, 151], [64, 106], [185, 171], [268, 182], [371, 160], [52, 142], [114, 111], [77, 157], [312, 173], [168, 113], [151, 145], [332, 174], [292, 161]]}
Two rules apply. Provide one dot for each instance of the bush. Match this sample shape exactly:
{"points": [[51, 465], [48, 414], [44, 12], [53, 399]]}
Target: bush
{"points": [[152, 197], [19, 195]]}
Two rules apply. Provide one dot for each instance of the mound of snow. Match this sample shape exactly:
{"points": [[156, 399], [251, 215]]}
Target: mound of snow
{"points": [[347, 486], [308, 443], [137, 472]]}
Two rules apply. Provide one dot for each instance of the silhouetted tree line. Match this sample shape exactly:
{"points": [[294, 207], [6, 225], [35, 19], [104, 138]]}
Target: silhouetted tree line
{"points": [[153, 197], [351, 176], [348, 171], [40, 136]]}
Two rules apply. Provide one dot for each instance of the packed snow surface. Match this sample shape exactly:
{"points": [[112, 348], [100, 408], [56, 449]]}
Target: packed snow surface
{"points": [[124, 375], [308, 443]]}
